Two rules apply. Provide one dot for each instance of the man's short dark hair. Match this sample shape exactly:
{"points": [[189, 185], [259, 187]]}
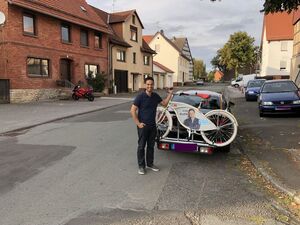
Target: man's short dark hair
{"points": [[149, 78]]}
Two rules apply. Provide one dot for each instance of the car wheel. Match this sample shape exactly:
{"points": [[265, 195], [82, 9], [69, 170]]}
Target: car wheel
{"points": [[261, 114], [225, 149], [236, 85], [247, 99]]}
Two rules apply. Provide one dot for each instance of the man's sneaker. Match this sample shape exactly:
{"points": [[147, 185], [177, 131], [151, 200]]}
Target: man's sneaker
{"points": [[142, 171], [153, 168]]}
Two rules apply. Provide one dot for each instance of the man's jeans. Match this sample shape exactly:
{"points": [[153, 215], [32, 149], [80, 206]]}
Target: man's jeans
{"points": [[147, 136]]}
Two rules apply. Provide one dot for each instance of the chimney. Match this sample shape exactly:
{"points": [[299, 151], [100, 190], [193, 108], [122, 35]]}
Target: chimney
{"points": [[162, 31]]}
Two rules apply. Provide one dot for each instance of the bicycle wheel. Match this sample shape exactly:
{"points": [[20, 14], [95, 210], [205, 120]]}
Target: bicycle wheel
{"points": [[226, 128], [163, 122]]}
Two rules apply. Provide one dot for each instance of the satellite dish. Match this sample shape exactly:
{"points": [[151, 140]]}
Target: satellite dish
{"points": [[2, 18]]}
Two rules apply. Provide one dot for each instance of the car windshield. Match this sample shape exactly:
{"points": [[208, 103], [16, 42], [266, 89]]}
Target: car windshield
{"points": [[255, 83], [210, 103], [279, 87]]}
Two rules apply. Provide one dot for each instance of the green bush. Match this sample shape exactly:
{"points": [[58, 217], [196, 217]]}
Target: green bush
{"points": [[96, 82]]}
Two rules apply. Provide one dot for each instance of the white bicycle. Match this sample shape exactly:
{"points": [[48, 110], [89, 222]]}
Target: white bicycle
{"points": [[217, 127]]}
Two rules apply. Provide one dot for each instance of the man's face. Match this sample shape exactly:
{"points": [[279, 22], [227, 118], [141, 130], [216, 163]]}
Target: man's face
{"points": [[149, 85], [192, 114]]}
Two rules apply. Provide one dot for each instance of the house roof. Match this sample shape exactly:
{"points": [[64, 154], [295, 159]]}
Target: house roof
{"points": [[179, 42], [162, 67], [113, 37], [172, 44], [148, 38], [279, 26], [146, 48], [78, 12], [120, 17]]}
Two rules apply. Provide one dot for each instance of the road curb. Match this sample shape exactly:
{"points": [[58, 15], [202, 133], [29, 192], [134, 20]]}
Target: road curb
{"points": [[274, 181], [59, 118]]}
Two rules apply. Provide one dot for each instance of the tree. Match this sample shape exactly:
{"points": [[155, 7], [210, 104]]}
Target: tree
{"points": [[199, 69], [216, 62], [211, 76], [238, 52], [271, 6]]}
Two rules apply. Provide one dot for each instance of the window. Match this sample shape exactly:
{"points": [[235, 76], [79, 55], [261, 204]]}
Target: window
{"points": [[282, 65], [91, 70], [146, 60], [84, 38], [133, 32], [66, 33], [133, 19], [284, 46], [134, 58], [37, 67], [29, 24], [98, 40], [121, 55]]}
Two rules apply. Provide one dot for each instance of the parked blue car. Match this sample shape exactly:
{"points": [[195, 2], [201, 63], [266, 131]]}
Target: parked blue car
{"points": [[253, 89], [279, 96]]}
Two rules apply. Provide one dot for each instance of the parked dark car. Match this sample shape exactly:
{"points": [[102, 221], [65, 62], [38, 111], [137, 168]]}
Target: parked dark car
{"points": [[279, 96], [253, 89]]}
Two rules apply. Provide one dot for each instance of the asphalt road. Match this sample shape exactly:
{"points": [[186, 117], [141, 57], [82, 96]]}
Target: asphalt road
{"points": [[83, 170], [278, 139]]}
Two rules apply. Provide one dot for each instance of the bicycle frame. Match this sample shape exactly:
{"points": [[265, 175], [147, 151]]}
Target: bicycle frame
{"points": [[217, 127]]}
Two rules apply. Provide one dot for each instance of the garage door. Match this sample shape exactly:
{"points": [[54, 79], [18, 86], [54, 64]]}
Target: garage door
{"points": [[155, 81]]}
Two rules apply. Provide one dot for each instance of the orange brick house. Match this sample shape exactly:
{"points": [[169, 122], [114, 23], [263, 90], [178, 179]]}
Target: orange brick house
{"points": [[43, 42]]}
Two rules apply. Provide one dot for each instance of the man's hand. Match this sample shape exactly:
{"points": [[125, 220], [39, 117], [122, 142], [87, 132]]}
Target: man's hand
{"points": [[141, 125], [170, 90]]}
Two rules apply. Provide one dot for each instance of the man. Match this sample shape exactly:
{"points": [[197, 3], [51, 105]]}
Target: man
{"points": [[192, 122], [146, 104]]}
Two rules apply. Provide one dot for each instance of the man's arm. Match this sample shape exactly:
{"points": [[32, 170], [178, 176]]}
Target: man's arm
{"points": [[134, 116], [165, 102]]}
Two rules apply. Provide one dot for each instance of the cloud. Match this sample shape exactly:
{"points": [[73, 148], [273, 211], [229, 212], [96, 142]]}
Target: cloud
{"points": [[207, 25]]}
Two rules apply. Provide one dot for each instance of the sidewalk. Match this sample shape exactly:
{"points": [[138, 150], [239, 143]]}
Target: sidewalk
{"points": [[272, 144], [20, 116]]}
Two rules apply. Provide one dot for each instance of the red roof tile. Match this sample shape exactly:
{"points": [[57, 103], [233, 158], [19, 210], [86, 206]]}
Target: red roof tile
{"points": [[279, 26], [78, 11], [148, 38], [163, 67]]}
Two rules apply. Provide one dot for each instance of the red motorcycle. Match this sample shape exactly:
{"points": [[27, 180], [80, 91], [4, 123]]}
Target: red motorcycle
{"points": [[83, 92]]}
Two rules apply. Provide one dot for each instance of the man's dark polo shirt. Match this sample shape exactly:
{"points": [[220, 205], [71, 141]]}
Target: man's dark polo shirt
{"points": [[147, 107]]}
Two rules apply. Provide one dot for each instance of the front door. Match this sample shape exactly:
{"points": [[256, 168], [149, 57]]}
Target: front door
{"points": [[121, 80], [4, 91], [65, 69]]}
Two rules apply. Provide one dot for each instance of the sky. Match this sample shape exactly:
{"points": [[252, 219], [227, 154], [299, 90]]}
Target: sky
{"points": [[207, 25]]}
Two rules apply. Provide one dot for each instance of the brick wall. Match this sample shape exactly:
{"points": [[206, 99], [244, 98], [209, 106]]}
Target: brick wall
{"points": [[47, 45]]}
